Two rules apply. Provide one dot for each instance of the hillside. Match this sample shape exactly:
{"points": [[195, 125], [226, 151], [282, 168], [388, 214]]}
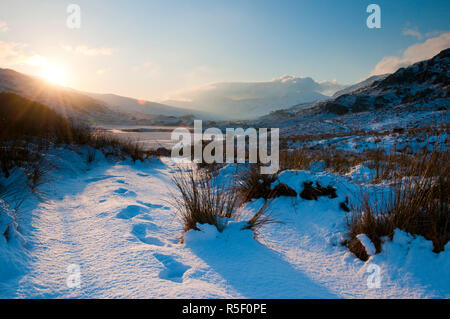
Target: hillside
{"points": [[62, 100], [425, 83], [90, 107], [411, 96], [143, 108]]}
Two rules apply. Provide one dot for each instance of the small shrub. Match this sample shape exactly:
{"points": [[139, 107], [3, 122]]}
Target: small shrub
{"points": [[418, 204], [260, 219], [252, 184], [300, 158], [90, 155], [202, 201], [37, 173]]}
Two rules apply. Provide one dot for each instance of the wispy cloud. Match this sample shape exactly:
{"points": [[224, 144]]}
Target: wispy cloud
{"points": [[12, 53], [3, 26], [413, 32], [85, 50], [413, 54]]}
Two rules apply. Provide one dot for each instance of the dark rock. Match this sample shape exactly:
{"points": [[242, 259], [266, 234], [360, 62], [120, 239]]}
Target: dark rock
{"points": [[344, 205], [311, 192], [358, 249], [162, 151], [282, 190]]}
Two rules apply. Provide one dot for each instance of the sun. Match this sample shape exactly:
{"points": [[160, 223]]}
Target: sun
{"points": [[54, 74]]}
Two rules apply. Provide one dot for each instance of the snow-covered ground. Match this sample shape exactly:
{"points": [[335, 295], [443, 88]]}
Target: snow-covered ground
{"points": [[114, 221]]}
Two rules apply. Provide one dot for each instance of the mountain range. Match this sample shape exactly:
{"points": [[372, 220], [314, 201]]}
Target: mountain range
{"points": [[287, 102], [99, 108], [249, 100], [410, 96]]}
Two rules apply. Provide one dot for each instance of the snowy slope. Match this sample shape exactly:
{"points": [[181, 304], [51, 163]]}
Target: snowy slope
{"points": [[422, 83], [114, 222], [360, 85], [412, 96]]}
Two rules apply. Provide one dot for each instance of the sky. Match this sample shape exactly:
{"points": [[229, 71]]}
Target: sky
{"points": [[158, 49]]}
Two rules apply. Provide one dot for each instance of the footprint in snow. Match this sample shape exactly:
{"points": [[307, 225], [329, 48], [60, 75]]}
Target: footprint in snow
{"points": [[174, 270], [99, 178], [141, 231], [121, 181], [131, 211], [125, 192], [103, 214], [150, 205], [142, 174]]}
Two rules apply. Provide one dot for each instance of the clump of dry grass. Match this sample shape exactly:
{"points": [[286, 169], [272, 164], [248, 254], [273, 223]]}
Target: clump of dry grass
{"points": [[203, 201], [252, 184], [260, 219], [37, 173], [418, 204], [212, 168], [334, 160], [387, 165], [300, 158]]}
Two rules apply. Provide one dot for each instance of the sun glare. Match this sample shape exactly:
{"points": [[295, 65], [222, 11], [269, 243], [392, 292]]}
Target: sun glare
{"points": [[54, 74]]}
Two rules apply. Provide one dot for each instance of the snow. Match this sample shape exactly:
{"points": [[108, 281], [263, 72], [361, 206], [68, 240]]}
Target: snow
{"points": [[367, 243], [11, 244], [115, 222], [410, 259]]}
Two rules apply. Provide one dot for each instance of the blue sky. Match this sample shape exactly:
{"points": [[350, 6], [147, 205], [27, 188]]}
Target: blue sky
{"points": [[151, 49]]}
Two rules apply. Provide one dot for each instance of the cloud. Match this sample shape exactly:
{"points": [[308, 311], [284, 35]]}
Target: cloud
{"points": [[413, 54], [3, 26], [85, 50], [413, 33], [331, 87], [12, 53], [277, 87]]}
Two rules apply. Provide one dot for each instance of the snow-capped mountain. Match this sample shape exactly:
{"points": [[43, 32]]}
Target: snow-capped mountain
{"points": [[249, 100], [409, 97]]}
